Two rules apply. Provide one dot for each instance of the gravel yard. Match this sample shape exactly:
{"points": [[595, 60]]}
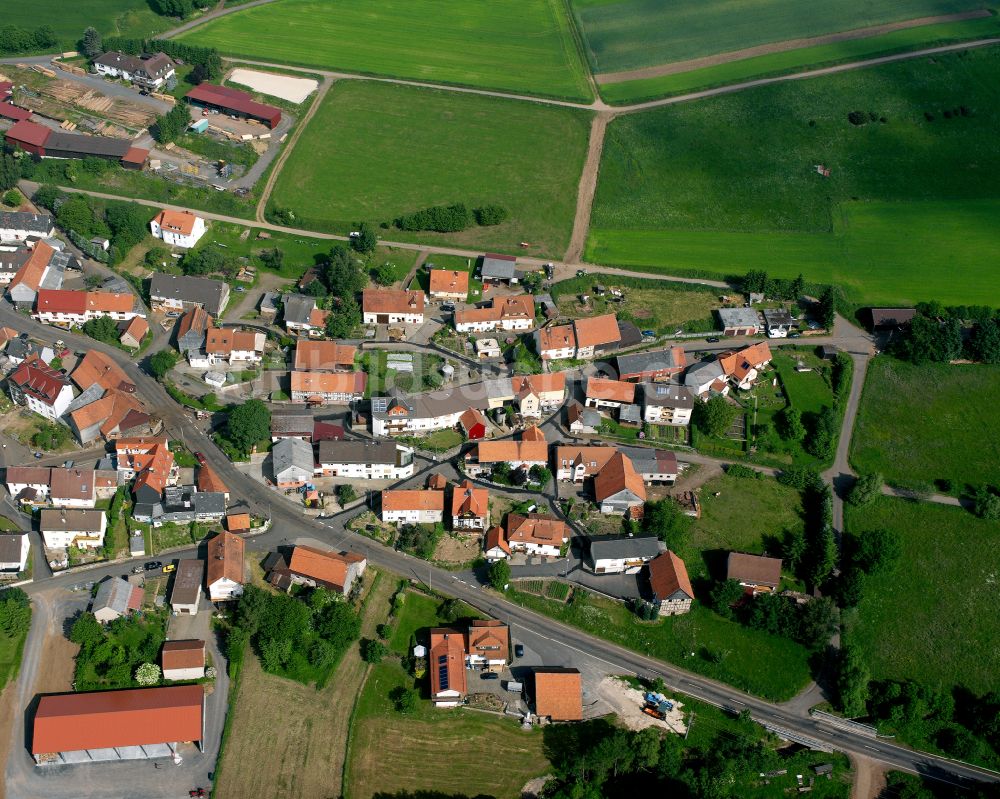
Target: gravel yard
{"points": [[295, 90], [627, 703]]}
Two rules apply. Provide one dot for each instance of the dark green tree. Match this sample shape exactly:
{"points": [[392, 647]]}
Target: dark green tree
{"points": [[103, 328], [754, 281], [984, 341], [665, 520], [248, 423], [852, 682], [367, 239], [90, 44], [162, 362], [715, 417], [866, 490], [826, 309], [878, 550], [986, 504], [791, 427], [403, 699], [932, 341], [499, 574], [372, 650], [343, 318]]}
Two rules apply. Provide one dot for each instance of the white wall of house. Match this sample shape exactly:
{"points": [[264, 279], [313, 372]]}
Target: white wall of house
{"points": [[394, 318], [73, 502], [532, 548], [193, 673], [413, 516], [657, 414], [469, 523], [367, 471], [42, 489], [56, 409], [382, 427], [176, 239], [59, 539], [22, 561], [224, 589]]}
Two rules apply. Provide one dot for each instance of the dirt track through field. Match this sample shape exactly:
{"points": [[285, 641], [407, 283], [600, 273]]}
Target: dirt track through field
{"points": [[869, 778], [692, 64], [587, 188]]}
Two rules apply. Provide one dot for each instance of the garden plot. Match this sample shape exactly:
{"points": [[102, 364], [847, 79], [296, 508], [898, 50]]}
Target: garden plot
{"points": [[295, 90]]}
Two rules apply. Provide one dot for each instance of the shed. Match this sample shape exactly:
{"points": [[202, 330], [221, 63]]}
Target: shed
{"points": [[186, 593], [183, 660]]}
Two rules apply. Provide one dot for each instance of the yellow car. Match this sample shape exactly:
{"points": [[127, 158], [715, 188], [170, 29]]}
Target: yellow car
{"points": [[169, 568]]}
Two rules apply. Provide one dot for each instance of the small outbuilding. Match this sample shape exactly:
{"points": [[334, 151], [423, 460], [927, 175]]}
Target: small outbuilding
{"points": [[186, 594], [183, 660]]}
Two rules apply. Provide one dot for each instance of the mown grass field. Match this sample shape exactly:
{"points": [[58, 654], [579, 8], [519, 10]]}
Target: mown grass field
{"points": [[375, 151], [932, 618], [728, 183], [636, 91], [513, 45], [929, 422], [68, 20], [11, 648], [630, 34]]}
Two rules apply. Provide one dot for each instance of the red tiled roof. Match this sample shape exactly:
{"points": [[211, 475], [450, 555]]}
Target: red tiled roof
{"points": [[176, 221], [209, 480], [495, 539], [137, 328], [559, 694], [413, 499], [33, 270], [536, 528], [328, 568], [466, 498], [96, 367], [489, 638], [225, 558], [323, 355], [612, 390], [36, 378], [234, 100], [392, 301], [596, 330], [29, 132], [446, 661], [668, 575], [448, 281], [557, 337], [185, 654], [617, 475], [13, 112]]}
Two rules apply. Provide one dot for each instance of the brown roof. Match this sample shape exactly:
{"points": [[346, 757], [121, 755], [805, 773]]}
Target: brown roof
{"points": [[209, 480], [96, 367], [323, 354], [617, 475], [448, 281], [72, 483], [740, 363], [593, 459], [197, 319], [416, 499], [596, 330], [111, 410], [536, 528], [523, 385], [511, 451], [186, 654], [437, 481], [106, 719], [489, 638], [533, 433], [495, 538], [223, 340], [668, 575], [612, 390], [392, 301], [238, 522], [466, 498], [753, 569], [153, 467], [329, 382], [559, 694], [521, 306], [556, 337], [225, 558], [446, 661], [33, 270], [137, 328], [471, 418], [328, 568]]}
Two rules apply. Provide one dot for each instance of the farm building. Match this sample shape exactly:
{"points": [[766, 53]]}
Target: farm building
{"points": [[757, 573], [292, 462], [183, 660], [184, 292], [559, 694], [739, 321], [669, 584], [234, 102], [115, 598], [657, 365], [501, 268], [448, 284], [47, 143], [392, 306], [335, 571], [615, 555]]}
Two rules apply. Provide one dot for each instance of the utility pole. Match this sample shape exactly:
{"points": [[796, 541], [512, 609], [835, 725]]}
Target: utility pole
{"points": [[690, 724]]}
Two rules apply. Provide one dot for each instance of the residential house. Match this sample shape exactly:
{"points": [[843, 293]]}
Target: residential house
{"points": [[502, 313], [576, 462], [28, 483], [556, 342], [68, 309], [302, 316], [183, 660], [392, 306], [209, 482], [669, 584], [890, 319], [79, 488], [422, 413], [448, 284], [655, 366], [40, 388], [336, 571], [43, 268], [234, 347], [116, 597], [523, 454], [132, 724], [470, 507], [706, 378], [184, 292], [495, 546], [618, 488], [185, 596], [14, 549], [473, 424], [487, 645], [225, 566], [666, 403], [739, 321], [112, 414], [536, 534], [582, 420], [192, 330], [616, 555], [65, 527], [150, 462], [537, 394], [151, 72], [292, 462], [742, 368], [328, 388], [269, 302], [238, 523], [595, 333], [177, 228], [655, 466], [21, 225], [608, 394], [96, 368], [498, 268], [446, 664], [416, 506], [371, 460], [133, 332], [181, 505], [757, 573], [558, 694], [487, 348], [324, 356], [292, 423], [778, 322], [20, 349]]}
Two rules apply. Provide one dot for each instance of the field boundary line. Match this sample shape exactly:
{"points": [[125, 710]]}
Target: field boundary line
{"points": [[692, 64], [576, 34], [587, 187]]}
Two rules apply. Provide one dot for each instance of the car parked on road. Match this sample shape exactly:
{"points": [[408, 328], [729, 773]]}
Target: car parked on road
{"points": [[153, 565], [200, 458], [519, 650], [489, 675], [169, 568], [712, 339]]}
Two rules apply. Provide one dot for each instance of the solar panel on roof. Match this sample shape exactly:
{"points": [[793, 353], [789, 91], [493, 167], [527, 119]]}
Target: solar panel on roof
{"points": [[442, 659], [443, 678]]}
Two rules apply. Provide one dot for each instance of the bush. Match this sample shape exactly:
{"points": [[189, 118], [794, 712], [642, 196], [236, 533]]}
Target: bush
{"points": [[857, 118], [148, 674], [12, 198], [739, 470], [499, 574], [986, 504], [440, 218], [162, 362], [373, 651], [51, 436], [403, 699], [490, 215], [866, 490]]}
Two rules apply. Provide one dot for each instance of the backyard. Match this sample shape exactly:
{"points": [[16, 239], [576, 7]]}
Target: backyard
{"points": [[456, 263], [376, 151]]}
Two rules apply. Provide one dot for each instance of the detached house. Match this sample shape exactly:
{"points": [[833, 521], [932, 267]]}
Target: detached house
{"points": [[669, 585], [495, 546], [531, 450], [609, 394], [225, 567], [536, 534], [503, 313], [448, 284], [470, 507], [392, 306], [538, 394], [336, 571], [133, 332], [446, 664], [65, 527], [370, 460], [742, 368], [757, 573], [292, 462], [619, 489], [487, 645], [40, 388], [178, 228], [665, 403], [16, 226], [328, 388], [234, 347], [584, 338], [150, 72], [419, 506], [302, 316]]}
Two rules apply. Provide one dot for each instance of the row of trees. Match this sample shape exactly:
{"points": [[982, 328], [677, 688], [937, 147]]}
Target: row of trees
{"points": [[811, 624], [757, 281], [206, 60], [15, 39], [15, 612], [452, 218], [177, 8]]}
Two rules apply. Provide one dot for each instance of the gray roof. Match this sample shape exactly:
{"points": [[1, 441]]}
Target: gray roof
{"points": [[702, 372], [65, 141], [614, 547], [666, 395], [118, 285], [646, 362], [652, 461], [113, 593], [41, 224], [432, 404], [629, 413], [186, 288], [70, 520], [187, 582], [292, 422], [298, 307], [92, 394], [188, 500], [269, 301], [352, 451], [10, 547], [739, 317], [13, 260], [210, 503], [498, 267], [777, 316], [291, 452]]}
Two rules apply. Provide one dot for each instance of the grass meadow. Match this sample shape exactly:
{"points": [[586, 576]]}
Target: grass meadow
{"points": [[729, 183], [930, 618], [68, 20], [631, 34], [929, 422], [375, 151], [511, 45]]}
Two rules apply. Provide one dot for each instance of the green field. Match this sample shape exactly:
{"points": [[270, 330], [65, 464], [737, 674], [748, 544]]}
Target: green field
{"points": [[513, 45], [630, 34], [929, 422], [68, 20], [635, 91], [728, 183], [375, 151], [932, 618]]}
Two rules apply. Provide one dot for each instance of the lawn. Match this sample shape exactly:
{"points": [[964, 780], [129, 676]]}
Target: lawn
{"points": [[513, 45], [427, 744], [630, 34], [728, 184], [11, 648], [929, 619], [456, 263], [927, 423], [110, 17], [375, 151], [419, 612]]}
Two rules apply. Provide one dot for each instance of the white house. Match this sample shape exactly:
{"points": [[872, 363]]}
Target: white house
{"points": [[177, 228], [149, 71], [536, 534], [63, 527], [234, 347], [663, 403], [506, 313], [14, 550], [225, 566], [420, 506], [67, 308], [369, 460], [19, 225], [40, 388], [28, 481], [392, 306], [183, 660]]}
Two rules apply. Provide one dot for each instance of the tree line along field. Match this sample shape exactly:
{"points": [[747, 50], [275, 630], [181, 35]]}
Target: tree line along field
{"points": [[624, 35], [729, 183], [932, 617], [68, 19], [512, 45], [929, 422], [375, 151]]}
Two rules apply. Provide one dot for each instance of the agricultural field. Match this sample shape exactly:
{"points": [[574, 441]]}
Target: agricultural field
{"points": [[513, 45], [729, 183], [624, 35], [929, 423], [68, 20], [938, 637], [375, 151]]}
